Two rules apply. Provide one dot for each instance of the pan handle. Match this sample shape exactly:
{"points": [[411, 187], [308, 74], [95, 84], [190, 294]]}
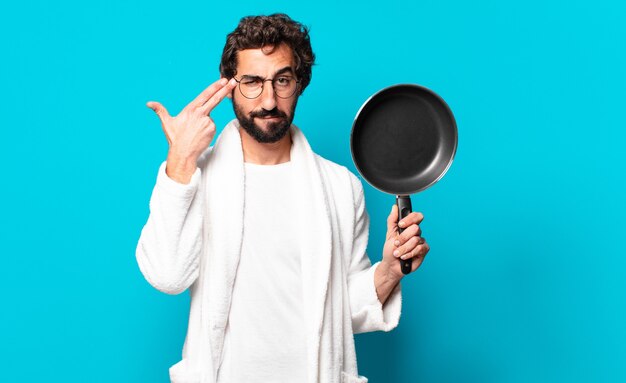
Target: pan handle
{"points": [[404, 209]]}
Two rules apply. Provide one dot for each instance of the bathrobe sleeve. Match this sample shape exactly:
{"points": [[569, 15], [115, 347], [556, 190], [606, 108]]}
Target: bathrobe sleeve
{"points": [[368, 314], [169, 248]]}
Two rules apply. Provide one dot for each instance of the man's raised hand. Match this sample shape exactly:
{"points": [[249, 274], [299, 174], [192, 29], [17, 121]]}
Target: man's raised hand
{"points": [[192, 130]]}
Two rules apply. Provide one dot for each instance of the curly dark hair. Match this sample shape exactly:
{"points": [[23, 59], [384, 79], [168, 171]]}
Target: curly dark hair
{"points": [[260, 31]]}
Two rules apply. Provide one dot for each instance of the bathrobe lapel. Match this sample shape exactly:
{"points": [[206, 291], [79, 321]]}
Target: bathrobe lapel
{"points": [[313, 218], [224, 229]]}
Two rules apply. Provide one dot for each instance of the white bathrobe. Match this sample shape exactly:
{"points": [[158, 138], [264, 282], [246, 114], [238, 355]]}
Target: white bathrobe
{"points": [[193, 238]]}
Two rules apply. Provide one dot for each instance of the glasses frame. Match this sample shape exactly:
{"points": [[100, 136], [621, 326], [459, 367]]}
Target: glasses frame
{"points": [[295, 90]]}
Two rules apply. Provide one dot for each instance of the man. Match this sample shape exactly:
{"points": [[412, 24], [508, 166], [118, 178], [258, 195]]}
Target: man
{"points": [[269, 237]]}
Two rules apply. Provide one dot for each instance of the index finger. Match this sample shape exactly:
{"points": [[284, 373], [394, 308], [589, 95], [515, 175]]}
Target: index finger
{"points": [[217, 97], [206, 94]]}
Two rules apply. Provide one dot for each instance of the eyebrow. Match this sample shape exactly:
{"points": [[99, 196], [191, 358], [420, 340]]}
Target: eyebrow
{"points": [[286, 69]]}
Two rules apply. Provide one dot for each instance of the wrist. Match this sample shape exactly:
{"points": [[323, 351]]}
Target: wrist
{"points": [[386, 273], [384, 281], [386, 270], [180, 168]]}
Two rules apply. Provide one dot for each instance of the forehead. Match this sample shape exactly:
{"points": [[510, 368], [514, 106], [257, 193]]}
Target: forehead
{"points": [[261, 62]]}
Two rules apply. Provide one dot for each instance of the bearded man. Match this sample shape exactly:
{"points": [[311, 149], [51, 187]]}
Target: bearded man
{"points": [[269, 237]]}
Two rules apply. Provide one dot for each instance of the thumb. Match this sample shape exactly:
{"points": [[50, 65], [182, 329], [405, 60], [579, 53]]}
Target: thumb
{"points": [[163, 115], [158, 109], [392, 220]]}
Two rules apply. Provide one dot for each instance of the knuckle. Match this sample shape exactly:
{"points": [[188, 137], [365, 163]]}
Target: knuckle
{"points": [[210, 105], [402, 238], [201, 110], [410, 242], [404, 249]]}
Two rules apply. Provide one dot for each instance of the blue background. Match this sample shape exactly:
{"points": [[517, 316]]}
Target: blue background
{"points": [[525, 281]]}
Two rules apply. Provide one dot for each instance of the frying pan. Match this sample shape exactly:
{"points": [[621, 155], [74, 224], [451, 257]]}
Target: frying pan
{"points": [[403, 140]]}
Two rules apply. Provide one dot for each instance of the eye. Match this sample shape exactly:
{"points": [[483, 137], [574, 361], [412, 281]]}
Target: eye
{"points": [[250, 81], [283, 81]]}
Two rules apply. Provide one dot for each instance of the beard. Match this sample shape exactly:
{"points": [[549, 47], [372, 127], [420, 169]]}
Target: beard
{"points": [[276, 130]]}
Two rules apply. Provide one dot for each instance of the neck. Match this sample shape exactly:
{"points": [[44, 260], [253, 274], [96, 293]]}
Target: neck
{"points": [[265, 153]]}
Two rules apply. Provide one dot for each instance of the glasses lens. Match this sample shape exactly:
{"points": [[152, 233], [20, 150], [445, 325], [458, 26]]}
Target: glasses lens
{"points": [[251, 88], [284, 87]]}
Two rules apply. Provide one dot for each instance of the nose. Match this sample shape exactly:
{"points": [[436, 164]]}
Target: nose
{"points": [[268, 97]]}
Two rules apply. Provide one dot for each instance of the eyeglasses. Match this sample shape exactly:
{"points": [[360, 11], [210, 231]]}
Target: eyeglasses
{"points": [[252, 86]]}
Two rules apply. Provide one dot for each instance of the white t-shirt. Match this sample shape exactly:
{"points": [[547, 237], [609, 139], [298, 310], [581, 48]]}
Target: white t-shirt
{"points": [[265, 338]]}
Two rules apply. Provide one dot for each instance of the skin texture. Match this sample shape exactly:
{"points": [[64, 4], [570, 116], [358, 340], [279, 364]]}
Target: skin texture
{"points": [[268, 142]]}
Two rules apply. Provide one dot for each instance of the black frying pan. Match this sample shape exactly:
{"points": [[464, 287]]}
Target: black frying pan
{"points": [[403, 140]]}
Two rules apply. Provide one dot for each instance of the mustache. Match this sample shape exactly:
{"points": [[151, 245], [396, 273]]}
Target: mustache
{"points": [[268, 113]]}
